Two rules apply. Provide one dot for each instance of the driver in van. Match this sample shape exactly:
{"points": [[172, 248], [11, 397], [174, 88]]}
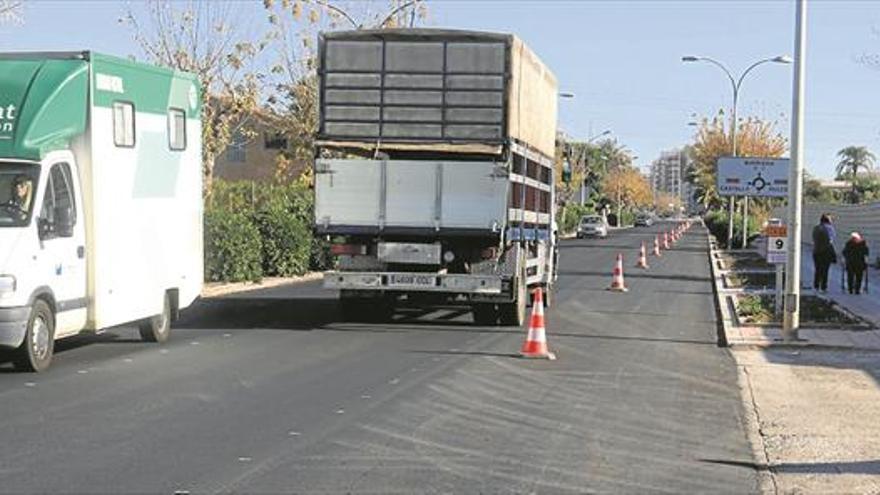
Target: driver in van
{"points": [[22, 189]]}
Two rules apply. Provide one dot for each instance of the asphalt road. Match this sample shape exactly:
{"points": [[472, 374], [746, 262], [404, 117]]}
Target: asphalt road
{"points": [[269, 392]]}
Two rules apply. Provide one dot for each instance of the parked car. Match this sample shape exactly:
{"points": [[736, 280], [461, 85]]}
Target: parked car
{"points": [[592, 226], [644, 220]]}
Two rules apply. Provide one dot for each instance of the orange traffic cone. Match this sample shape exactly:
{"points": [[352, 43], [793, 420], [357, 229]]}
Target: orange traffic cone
{"points": [[666, 241], [657, 246], [617, 283], [535, 345], [643, 258]]}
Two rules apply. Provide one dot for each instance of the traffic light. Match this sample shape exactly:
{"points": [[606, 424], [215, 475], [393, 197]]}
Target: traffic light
{"points": [[566, 171]]}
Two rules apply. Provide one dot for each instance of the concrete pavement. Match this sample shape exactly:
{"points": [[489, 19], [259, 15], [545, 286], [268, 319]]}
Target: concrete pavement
{"points": [[269, 392]]}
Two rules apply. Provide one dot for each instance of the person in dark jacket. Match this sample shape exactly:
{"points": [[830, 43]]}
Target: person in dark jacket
{"points": [[823, 252], [855, 253]]}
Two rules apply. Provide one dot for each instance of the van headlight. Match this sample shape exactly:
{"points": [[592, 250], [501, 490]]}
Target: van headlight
{"points": [[7, 285]]}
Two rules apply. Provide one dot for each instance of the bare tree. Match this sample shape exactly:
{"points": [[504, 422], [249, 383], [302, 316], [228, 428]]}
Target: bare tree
{"points": [[292, 107], [11, 12], [211, 40]]}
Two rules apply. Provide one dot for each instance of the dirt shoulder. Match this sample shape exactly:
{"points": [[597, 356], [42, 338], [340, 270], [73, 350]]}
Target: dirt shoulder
{"points": [[223, 289]]}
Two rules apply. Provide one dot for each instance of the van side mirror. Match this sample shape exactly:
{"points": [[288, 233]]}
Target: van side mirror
{"points": [[63, 226]]}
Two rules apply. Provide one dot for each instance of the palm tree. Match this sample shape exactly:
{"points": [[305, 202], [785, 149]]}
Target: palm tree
{"points": [[853, 159]]}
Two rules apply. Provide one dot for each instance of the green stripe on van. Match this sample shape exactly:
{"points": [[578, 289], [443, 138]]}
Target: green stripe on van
{"points": [[44, 105]]}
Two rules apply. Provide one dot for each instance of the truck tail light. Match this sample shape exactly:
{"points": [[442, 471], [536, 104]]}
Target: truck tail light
{"points": [[350, 249]]}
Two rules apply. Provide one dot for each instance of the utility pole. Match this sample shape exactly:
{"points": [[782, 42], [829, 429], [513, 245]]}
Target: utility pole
{"points": [[791, 320]]}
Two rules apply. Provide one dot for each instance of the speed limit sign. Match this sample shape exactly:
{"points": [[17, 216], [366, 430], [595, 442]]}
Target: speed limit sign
{"points": [[777, 244]]}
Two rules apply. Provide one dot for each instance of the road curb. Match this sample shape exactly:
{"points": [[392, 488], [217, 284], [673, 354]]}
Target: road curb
{"points": [[721, 323]]}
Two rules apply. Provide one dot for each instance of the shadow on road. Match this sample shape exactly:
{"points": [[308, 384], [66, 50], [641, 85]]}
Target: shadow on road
{"points": [[467, 353], [856, 467], [597, 245], [73, 343]]}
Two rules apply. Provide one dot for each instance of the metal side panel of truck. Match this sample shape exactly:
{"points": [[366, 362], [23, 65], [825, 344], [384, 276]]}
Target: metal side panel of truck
{"points": [[111, 231]]}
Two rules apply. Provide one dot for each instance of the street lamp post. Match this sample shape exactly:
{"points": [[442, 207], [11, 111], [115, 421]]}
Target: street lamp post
{"points": [[586, 158], [736, 84]]}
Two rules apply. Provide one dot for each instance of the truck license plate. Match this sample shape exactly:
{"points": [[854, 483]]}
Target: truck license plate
{"points": [[412, 280]]}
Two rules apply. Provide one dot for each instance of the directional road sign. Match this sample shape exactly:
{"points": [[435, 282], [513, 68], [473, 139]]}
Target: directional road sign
{"points": [[763, 177]]}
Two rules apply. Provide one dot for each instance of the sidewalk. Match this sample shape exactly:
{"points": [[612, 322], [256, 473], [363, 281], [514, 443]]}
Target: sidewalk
{"points": [[811, 411], [865, 306]]}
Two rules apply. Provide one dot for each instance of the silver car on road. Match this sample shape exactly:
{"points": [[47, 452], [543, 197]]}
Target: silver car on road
{"points": [[592, 226]]}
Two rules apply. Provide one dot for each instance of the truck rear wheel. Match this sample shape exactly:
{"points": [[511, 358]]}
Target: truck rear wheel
{"points": [[485, 314], [158, 328], [514, 313], [35, 353]]}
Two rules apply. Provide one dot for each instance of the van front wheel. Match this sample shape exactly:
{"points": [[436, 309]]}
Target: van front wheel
{"points": [[35, 353], [157, 328]]}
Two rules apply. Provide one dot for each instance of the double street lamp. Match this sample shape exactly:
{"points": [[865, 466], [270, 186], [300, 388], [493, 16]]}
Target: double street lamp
{"points": [[736, 84]]}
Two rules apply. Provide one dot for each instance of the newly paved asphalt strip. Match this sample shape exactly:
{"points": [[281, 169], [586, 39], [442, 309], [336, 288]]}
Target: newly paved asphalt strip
{"points": [[270, 392]]}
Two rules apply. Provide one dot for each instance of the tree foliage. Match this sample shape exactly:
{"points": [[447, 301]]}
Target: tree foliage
{"points": [[209, 39], [815, 192], [755, 137], [11, 12], [590, 162], [854, 159], [667, 203], [626, 187]]}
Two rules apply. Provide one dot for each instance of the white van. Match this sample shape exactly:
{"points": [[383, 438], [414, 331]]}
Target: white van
{"points": [[100, 198]]}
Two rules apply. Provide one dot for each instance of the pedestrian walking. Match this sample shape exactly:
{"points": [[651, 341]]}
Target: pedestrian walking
{"points": [[855, 255], [823, 252]]}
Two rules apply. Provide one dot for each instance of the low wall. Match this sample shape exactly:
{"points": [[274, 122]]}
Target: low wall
{"points": [[862, 218]]}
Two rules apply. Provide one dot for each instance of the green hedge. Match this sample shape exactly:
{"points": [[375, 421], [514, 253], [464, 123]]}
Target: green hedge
{"points": [[717, 223], [233, 249], [277, 217]]}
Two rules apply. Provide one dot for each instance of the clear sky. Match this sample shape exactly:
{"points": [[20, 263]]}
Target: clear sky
{"points": [[622, 59]]}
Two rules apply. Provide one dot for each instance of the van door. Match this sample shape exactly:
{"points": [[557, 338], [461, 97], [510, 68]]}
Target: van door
{"points": [[62, 238]]}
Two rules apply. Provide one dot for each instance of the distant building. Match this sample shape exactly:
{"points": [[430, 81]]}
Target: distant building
{"points": [[669, 175], [253, 155], [835, 185]]}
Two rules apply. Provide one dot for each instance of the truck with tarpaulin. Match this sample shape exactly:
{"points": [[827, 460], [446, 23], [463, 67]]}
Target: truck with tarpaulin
{"points": [[434, 171]]}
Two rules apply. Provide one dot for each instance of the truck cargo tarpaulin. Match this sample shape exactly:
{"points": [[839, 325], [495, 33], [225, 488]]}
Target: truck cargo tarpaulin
{"points": [[749, 176]]}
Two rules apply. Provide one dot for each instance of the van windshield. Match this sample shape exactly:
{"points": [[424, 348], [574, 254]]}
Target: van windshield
{"points": [[18, 188]]}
